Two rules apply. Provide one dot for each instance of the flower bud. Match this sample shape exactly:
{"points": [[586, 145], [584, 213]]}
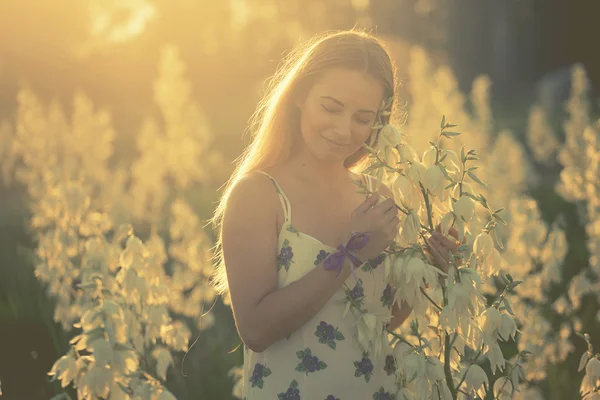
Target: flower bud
{"points": [[389, 136]]}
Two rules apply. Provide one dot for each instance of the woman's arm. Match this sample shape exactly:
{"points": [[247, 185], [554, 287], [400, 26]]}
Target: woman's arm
{"points": [[264, 313]]}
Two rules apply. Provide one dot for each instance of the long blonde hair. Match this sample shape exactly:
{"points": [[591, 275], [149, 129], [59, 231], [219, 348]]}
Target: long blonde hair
{"points": [[275, 124]]}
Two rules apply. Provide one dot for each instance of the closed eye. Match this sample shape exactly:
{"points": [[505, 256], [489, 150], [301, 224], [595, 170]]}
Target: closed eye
{"points": [[330, 110]]}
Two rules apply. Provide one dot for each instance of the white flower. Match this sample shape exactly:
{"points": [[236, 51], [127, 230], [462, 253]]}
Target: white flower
{"points": [[494, 354], [416, 173], [408, 154], [406, 192], [508, 327], [429, 156], [413, 366], [412, 227], [503, 388], [476, 380], [452, 164], [440, 391], [390, 136], [483, 245], [435, 369], [371, 333], [434, 180], [592, 369], [492, 263], [463, 208], [409, 275], [491, 319], [447, 222], [401, 350]]}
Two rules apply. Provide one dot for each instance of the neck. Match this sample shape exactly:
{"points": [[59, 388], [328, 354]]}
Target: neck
{"points": [[318, 172]]}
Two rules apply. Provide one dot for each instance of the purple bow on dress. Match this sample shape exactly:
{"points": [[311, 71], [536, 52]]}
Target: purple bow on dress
{"points": [[335, 261]]}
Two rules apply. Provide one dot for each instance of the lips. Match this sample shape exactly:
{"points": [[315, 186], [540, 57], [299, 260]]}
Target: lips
{"points": [[335, 143]]}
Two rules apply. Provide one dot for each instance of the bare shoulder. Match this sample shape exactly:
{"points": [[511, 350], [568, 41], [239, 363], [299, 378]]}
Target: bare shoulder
{"points": [[249, 193]]}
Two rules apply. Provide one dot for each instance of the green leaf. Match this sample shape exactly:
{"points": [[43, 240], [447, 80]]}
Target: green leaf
{"points": [[450, 133], [462, 153], [498, 239], [260, 384], [339, 335], [300, 354], [509, 277], [514, 284], [266, 372], [471, 196], [431, 142], [332, 345], [443, 123], [443, 157], [294, 384], [450, 126], [322, 364], [476, 179], [300, 368], [500, 219], [445, 172], [451, 185]]}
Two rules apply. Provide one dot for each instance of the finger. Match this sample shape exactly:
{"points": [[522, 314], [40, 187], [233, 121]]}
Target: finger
{"points": [[368, 203], [441, 249], [439, 259], [385, 206], [445, 241], [392, 221]]}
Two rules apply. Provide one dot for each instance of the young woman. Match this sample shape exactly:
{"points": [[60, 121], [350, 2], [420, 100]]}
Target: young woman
{"points": [[290, 203]]}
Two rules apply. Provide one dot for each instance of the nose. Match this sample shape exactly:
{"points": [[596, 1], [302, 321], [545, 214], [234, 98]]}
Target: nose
{"points": [[342, 131]]}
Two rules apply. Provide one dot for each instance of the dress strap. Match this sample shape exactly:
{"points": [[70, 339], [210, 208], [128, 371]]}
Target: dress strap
{"points": [[285, 202]]}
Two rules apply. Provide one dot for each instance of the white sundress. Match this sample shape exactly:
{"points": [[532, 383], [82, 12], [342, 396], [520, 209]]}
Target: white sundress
{"points": [[322, 360]]}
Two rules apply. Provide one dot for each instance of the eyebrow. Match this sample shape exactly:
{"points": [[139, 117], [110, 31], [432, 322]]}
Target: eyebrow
{"points": [[342, 104]]}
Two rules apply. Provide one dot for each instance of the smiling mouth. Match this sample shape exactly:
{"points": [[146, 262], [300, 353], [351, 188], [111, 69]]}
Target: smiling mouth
{"points": [[335, 143]]}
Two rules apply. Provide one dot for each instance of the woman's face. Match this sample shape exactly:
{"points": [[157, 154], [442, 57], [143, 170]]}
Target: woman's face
{"points": [[338, 113]]}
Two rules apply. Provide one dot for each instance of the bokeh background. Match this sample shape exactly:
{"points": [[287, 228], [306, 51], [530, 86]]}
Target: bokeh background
{"points": [[145, 104]]}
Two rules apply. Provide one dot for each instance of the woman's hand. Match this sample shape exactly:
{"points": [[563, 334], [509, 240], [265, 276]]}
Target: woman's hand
{"points": [[439, 246], [380, 222]]}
